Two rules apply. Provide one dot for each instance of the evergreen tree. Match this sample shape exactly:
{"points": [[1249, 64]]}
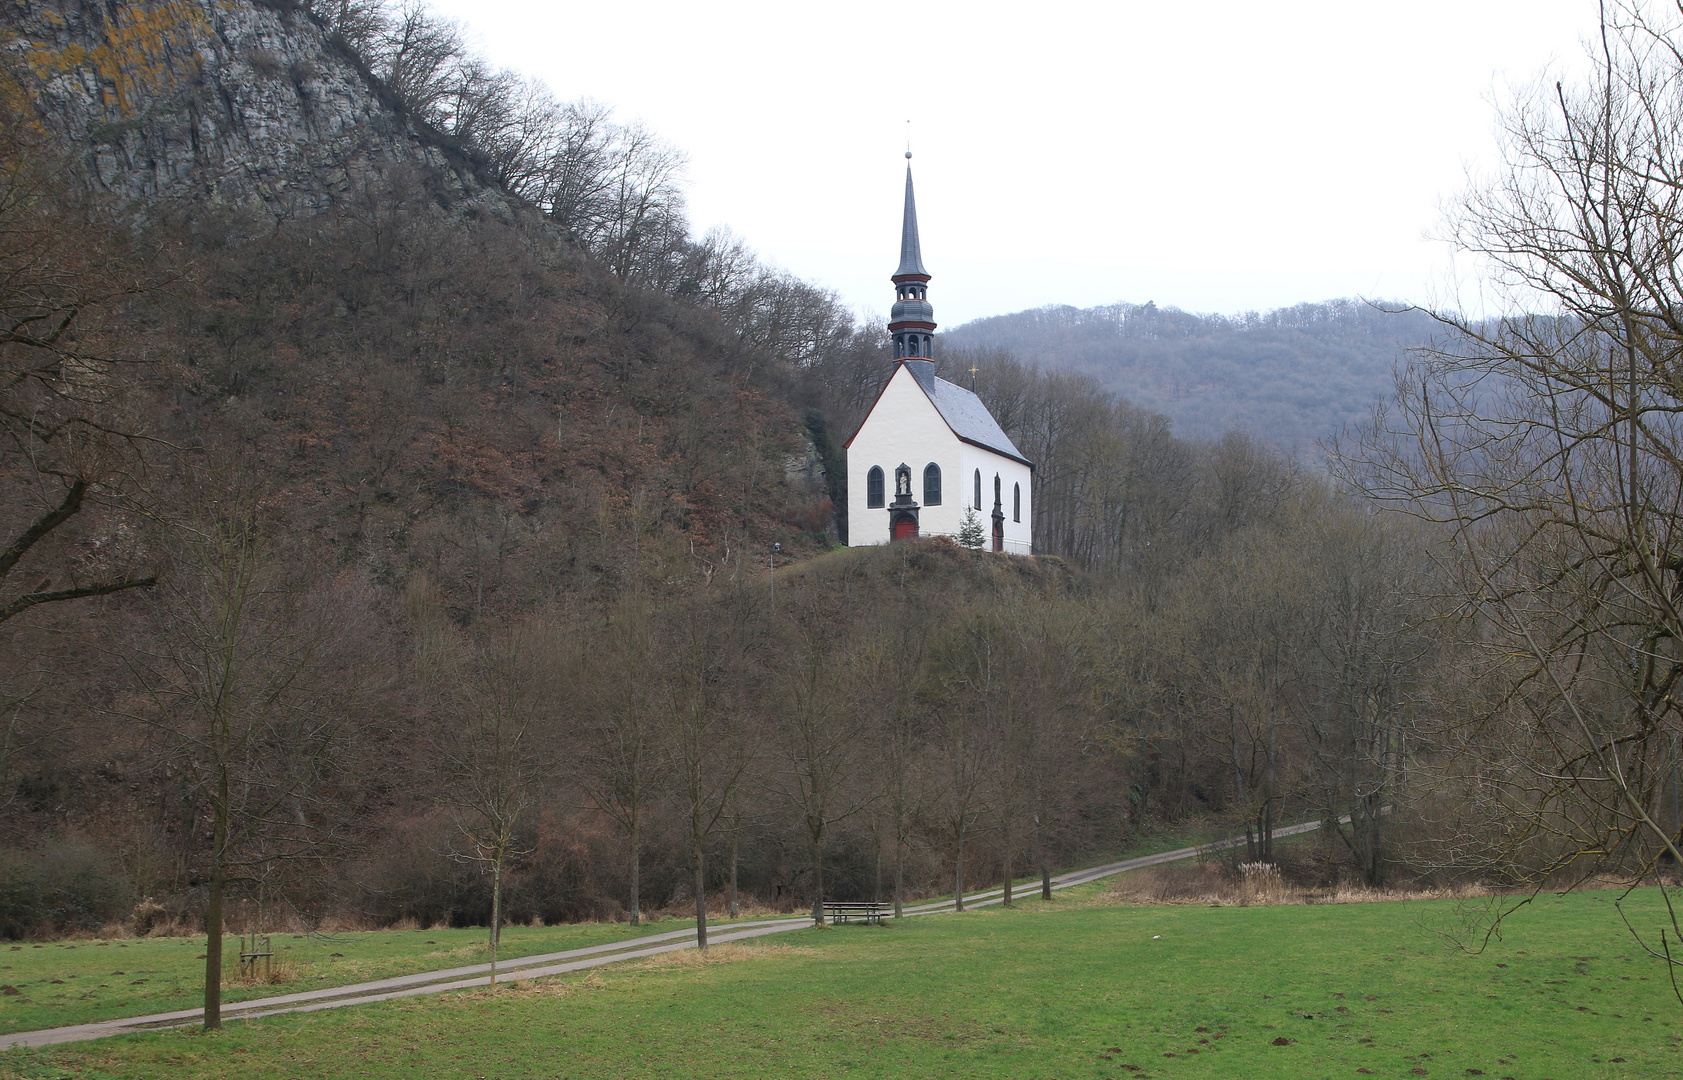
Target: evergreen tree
{"points": [[970, 532]]}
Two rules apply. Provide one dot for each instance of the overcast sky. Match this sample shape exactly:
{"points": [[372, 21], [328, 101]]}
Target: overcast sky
{"points": [[1214, 156]]}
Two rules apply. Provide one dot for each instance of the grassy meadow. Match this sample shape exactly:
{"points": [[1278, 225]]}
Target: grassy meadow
{"points": [[78, 981], [1081, 987]]}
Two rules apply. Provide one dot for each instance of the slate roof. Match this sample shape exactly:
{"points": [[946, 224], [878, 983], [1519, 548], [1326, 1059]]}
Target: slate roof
{"points": [[964, 412], [911, 252]]}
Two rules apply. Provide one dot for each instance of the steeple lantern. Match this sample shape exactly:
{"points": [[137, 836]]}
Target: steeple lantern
{"points": [[912, 319]]}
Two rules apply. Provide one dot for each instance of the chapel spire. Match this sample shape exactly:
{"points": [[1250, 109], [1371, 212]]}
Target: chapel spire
{"points": [[912, 319], [911, 253]]}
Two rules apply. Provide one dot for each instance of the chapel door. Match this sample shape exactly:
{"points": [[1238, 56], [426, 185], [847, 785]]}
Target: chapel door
{"points": [[904, 528], [998, 533]]}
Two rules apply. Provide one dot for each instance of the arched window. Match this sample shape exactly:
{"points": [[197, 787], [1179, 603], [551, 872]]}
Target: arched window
{"points": [[1016, 502], [932, 484], [873, 487], [978, 501]]}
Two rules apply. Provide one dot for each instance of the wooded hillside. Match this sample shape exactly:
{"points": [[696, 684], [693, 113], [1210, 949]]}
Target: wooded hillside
{"points": [[403, 551], [1290, 377]]}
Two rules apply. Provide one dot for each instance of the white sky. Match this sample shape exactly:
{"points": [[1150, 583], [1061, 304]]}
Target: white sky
{"points": [[1217, 156]]}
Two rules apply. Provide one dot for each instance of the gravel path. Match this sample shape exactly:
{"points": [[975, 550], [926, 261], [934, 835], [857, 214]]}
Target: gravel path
{"points": [[536, 967]]}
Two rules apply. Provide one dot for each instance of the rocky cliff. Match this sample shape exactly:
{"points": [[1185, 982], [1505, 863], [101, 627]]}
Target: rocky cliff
{"points": [[222, 101]]}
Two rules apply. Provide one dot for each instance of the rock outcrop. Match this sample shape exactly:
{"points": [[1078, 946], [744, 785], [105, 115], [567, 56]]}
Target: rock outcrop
{"points": [[221, 101]]}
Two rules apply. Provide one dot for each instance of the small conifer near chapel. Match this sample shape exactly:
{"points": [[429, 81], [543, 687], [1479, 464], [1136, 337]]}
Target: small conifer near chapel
{"points": [[970, 532]]}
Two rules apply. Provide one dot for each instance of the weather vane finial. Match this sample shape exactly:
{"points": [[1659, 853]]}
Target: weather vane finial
{"points": [[908, 140]]}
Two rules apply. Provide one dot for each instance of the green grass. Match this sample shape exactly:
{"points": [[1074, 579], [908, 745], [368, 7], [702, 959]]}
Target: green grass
{"points": [[1046, 990], [74, 982]]}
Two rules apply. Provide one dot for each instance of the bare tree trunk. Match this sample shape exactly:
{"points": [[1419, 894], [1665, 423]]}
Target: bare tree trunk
{"points": [[700, 894], [735, 843], [958, 877], [213, 951], [496, 915], [817, 879], [899, 876], [1009, 863], [1365, 826], [876, 889], [1040, 860], [1676, 783], [1240, 796], [213, 906], [636, 873]]}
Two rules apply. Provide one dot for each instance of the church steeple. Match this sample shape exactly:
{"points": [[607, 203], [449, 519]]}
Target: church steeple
{"points": [[912, 319]]}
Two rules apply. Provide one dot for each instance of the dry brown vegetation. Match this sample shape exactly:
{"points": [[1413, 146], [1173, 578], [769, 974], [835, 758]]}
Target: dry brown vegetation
{"points": [[1220, 884]]}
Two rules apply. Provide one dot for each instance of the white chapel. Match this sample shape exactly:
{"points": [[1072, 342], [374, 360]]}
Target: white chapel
{"points": [[929, 451]]}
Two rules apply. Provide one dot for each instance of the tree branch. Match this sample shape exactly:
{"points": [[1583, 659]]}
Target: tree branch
{"points": [[44, 525], [29, 600]]}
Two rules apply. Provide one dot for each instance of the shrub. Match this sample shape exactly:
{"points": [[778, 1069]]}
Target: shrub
{"points": [[20, 896], [147, 916], [62, 887], [82, 888], [264, 62]]}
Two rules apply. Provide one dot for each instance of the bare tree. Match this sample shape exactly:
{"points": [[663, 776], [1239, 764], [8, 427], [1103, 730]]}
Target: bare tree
{"points": [[1052, 723], [491, 754], [417, 54], [616, 191], [1550, 446], [974, 691], [249, 678], [889, 670], [709, 682], [1353, 710], [819, 763], [617, 750], [69, 425], [1247, 626]]}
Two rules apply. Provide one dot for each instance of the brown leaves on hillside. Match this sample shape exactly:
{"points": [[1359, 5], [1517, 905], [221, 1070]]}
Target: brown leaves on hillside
{"points": [[476, 399]]}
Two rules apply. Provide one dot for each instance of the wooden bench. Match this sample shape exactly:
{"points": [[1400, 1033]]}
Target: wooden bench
{"points": [[843, 910]]}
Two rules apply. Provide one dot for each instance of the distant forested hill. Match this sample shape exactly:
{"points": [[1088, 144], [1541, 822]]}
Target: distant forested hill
{"points": [[1290, 376]]}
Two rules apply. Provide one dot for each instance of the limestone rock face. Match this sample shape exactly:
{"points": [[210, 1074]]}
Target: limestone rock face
{"points": [[222, 101]]}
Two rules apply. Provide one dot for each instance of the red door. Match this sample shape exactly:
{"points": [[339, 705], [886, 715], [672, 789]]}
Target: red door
{"points": [[905, 528]]}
